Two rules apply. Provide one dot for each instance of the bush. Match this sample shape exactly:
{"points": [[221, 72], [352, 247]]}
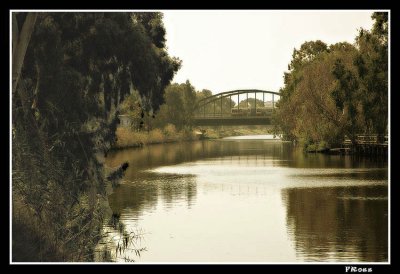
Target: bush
{"points": [[311, 148], [187, 135], [323, 145], [155, 136], [170, 132], [128, 138]]}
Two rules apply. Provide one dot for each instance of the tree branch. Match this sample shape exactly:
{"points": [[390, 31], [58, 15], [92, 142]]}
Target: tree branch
{"points": [[20, 45]]}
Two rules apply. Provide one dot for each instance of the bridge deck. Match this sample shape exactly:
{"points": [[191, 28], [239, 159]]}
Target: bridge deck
{"points": [[232, 121]]}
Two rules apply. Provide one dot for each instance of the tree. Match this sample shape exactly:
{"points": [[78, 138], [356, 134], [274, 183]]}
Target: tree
{"points": [[189, 102], [372, 65], [20, 41], [307, 53], [179, 106], [77, 68], [337, 91], [346, 96], [315, 106], [131, 106], [288, 106], [227, 104], [250, 103]]}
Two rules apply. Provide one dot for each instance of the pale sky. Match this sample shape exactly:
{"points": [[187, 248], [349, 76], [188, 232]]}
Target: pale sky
{"points": [[228, 50]]}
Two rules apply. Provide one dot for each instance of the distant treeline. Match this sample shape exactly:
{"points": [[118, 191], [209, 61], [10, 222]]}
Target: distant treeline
{"points": [[181, 104]]}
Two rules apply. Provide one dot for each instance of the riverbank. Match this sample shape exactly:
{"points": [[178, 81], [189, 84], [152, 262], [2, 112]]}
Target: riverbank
{"points": [[371, 150], [127, 138], [227, 131]]}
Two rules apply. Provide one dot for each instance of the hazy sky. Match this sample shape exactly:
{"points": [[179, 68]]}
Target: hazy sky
{"points": [[227, 50]]}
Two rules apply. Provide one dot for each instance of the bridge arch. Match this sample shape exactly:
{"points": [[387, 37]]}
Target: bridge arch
{"points": [[260, 114], [218, 97]]}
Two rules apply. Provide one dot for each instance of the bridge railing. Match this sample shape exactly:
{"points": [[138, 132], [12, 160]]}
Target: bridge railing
{"points": [[212, 115], [216, 101], [233, 115]]}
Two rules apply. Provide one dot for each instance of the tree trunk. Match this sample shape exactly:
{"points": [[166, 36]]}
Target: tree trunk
{"points": [[15, 33], [20, 45]]}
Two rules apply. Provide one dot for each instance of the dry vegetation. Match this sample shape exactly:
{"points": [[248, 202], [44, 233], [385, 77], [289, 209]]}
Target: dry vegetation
{"points": [[127, 137]]}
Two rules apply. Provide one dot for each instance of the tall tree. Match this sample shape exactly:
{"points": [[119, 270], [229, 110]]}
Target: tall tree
{"points": [[20, 41], [372, 65], [319, 102], [336, 91], [76, 70]]}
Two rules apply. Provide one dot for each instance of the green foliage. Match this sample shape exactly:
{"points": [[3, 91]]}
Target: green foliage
{"points": [[305, 110], [307, 53], [178, 109], [170, 132], [250, 103], [156, 136], [372, 65], [129, 138], [132, 107], [227, 104], [77, 69], [345, 93], [336, 91]]}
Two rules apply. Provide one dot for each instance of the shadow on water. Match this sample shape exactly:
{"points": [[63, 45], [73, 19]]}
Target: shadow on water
{"points": [[338, 223]]}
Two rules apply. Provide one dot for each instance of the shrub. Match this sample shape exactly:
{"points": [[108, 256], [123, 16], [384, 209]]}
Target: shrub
{"points": [[187, 134], [170, 132], [155, 136], [128, 138], [323, 145]]}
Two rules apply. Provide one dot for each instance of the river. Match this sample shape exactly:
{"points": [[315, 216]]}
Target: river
{"points": [[248, 199]]}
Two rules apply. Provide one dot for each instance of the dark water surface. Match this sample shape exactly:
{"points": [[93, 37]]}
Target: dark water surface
{"points": [[249, 200]]}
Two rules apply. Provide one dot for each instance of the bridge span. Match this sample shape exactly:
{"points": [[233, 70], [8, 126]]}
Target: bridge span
{"points": [[237, 107]]}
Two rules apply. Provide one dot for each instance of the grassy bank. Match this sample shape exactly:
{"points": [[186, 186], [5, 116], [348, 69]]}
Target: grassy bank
{"points": [[226, 131], [129, 138], [37, 238], [316, 147], [30, 242]]}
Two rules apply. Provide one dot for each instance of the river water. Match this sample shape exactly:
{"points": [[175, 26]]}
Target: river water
{"points": [[248, 199]]}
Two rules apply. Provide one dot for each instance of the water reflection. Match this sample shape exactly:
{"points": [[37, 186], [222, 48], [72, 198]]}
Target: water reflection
{"points": [[176, 153], [172, 154], [251, 201], [144, 195], [338, 223]]}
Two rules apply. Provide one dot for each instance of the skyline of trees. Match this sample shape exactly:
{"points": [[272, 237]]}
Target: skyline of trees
{"points": [[335, 91]]}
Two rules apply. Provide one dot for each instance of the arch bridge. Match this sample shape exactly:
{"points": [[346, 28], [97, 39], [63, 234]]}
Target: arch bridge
{"points": [[237, 107]]}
